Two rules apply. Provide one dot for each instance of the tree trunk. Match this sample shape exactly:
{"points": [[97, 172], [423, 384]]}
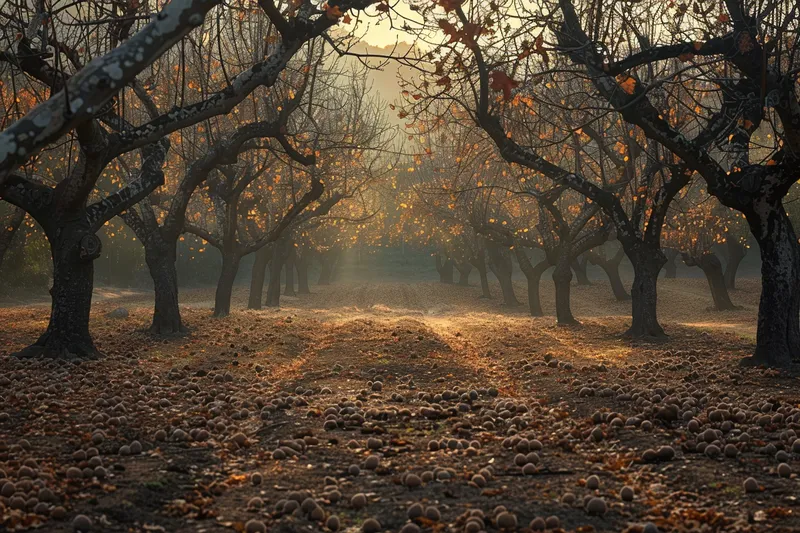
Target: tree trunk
{"points": [[533, 275], [562, 279], [502, 267], [579, 266], [445, 269], [327, 261], [74, 250], [258, 275], [647, 263], [275, 267], [8, 229], [736, 252], [222, 298], [711, 266], [160, 259], [291, 255], [670, 267], [464, 270], [301, 264], [479, 262], [611, 269], [778, 334]]}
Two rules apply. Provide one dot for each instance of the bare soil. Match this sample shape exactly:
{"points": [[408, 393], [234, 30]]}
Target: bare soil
{"points": [[342, 393]]}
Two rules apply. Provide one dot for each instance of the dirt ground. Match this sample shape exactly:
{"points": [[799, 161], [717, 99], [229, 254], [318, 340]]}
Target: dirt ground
{"points": [[347, 408]]}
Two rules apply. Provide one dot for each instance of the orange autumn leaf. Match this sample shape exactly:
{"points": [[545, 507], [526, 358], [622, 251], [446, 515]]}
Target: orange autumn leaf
{"points": [[626, 83]]}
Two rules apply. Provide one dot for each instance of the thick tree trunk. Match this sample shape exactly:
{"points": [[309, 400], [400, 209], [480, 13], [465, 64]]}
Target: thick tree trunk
{"points": [[670, 267], [74, 251], [736, 252], [579, 266], [778, 334], [301, 264], [647, 263], [533, 275], [711, 266], [257, 277], [502, 267], [445, 269], [222, 298], [611, 269], [275, 267], [8, 228], [291, 255], [479, 262], [562, 279], [464, 270], [160, 259]]}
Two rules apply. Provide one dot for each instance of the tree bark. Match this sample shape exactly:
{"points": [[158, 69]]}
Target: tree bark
{"points": [[562, 279], [579, 266], [464, 270], [479, 262], [611, 269], [222, 298], [8, 229], [74, 249], [647, 263], [711, 266], [301, 264], [445, 269], [275, 267], [291, 255], [257, 277], [502, 267], [736, 252], [160, 259], [778, 334], [670, 267], [533, 275]]}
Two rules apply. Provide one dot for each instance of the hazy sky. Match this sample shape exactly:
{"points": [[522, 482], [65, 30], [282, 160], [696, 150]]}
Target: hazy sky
{"points": [[381, 33]]}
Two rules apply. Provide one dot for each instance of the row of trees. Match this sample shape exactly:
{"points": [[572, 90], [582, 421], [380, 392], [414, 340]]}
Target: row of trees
{"points": [[245, 131], [626, 106]]}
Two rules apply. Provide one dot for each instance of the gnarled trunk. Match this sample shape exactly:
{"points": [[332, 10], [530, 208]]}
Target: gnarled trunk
{"points": [[464, 270], [562, 278], [74, 250], [647, 263], [291, 255], [711, 266], [670, 267], [736, 252], [479, 262], [222, 297], [778, 334], [257, 277], [579, 266], [301, 264], [444, 268], [275, 267], [611, 269], [502, 267], [160, 259], [533, 275]]}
